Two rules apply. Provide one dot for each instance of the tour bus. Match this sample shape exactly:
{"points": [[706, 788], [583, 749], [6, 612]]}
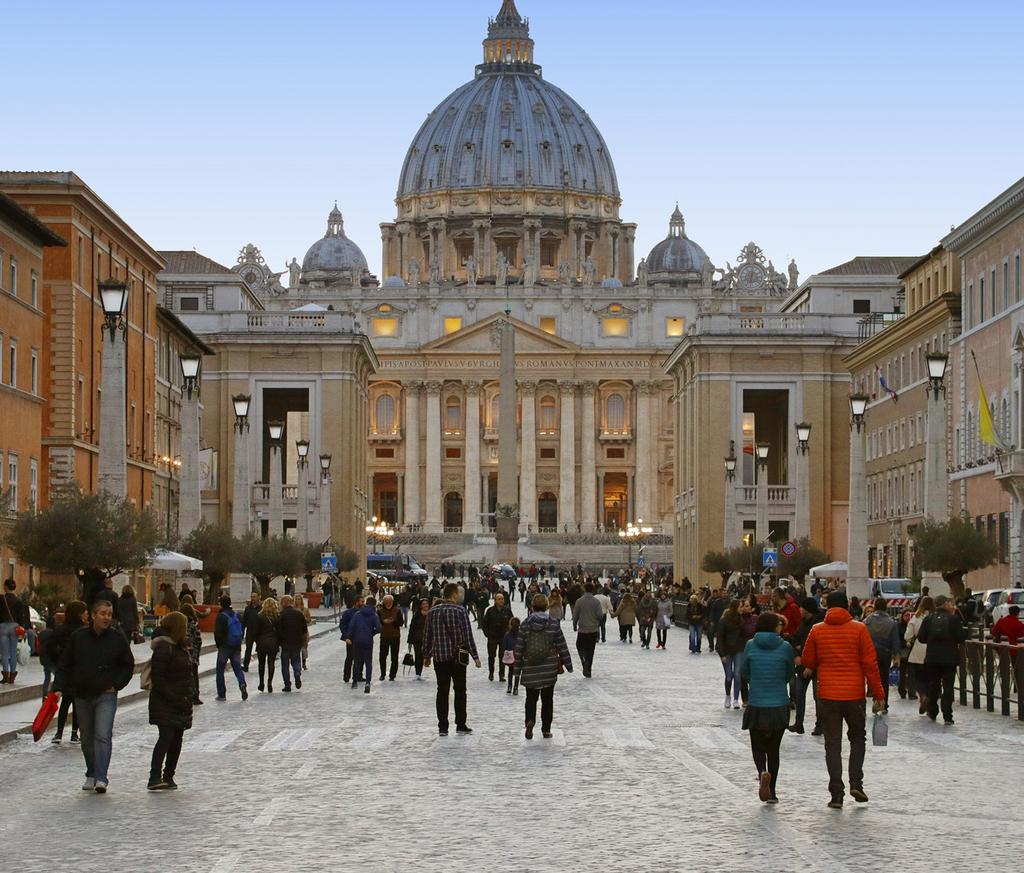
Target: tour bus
{"points": [[397, 568]]}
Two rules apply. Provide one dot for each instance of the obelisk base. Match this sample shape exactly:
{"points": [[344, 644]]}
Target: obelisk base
{"points": [[507, 551]]}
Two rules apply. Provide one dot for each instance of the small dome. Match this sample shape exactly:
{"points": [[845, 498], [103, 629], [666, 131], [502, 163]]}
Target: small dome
{"points": [[677, 253], [394, 282], [611, 282], [335, 252]]}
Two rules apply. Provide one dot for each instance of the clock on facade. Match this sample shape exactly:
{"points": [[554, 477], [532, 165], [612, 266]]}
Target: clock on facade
{"points": [[751, 276]]}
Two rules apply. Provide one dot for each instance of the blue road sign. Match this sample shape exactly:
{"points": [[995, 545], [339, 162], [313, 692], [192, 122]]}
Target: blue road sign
{"points": [[770, 556], [641, 561], [328, 562]]}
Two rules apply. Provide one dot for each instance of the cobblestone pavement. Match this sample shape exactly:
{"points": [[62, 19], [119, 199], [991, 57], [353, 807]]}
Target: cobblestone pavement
{"points": [[646, 771]]}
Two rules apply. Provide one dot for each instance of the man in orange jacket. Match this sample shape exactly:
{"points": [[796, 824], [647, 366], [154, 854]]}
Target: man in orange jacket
{"points": [[841, 651]]}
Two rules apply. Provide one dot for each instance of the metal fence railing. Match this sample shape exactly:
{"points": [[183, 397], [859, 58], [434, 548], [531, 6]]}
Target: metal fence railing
{"points": [[992, 672]]}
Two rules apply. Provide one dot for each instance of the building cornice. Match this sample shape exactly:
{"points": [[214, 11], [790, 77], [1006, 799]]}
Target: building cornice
{"points": [[990, 218]]}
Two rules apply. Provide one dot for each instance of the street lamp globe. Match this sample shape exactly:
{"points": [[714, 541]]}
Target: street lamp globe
{"points": [[113, 296], [276, 429], [241, 405], [858, 406], [803, 431], [325, 463], [190, 366], [937, 363], [762, 451], [302, 449]]}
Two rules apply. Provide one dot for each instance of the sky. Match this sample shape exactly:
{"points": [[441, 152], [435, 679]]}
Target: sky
{"points": [[819, 130]]}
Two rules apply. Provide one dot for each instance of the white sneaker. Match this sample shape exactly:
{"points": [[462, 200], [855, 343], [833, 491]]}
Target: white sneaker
{"points": [[89, 785], [101, 786], [728, 702], [736, 704]]}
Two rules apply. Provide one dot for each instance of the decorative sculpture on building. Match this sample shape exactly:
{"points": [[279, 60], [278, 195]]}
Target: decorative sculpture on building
{"points": [[501, 271], [563, 271], [794, 275], [414, 272], [529, 277], [435, 271], [471, 271], [293, 273], [589, 271], [754, 276], [641, 272], [251, 266]]}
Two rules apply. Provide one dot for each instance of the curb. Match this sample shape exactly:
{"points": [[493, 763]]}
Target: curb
{"points": [[135, 696]]}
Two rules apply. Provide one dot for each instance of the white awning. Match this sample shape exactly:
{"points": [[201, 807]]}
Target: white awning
{"points": [[835, 568], [164, 560]]}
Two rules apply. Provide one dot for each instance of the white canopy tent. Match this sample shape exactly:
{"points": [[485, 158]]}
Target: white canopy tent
{"points": [[830, 570], [165, 560]]}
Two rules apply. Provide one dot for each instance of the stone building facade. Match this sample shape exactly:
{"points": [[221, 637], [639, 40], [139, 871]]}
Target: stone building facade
{"points": [[23, 241]]}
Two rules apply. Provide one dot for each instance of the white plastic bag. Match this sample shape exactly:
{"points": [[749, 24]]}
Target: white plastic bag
{"points": [[23, 652], [880, 730]]}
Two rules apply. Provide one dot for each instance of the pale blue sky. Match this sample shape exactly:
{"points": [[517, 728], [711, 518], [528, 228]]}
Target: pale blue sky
{"points": [[819, 130]]}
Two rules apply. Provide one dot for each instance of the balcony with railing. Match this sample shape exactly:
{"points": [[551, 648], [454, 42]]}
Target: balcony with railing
{"points": [[873, 324]]}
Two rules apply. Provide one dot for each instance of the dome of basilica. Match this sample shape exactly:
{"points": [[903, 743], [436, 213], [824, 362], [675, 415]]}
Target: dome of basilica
{"points": [[335, 252], [677, 253], [508, 128]]}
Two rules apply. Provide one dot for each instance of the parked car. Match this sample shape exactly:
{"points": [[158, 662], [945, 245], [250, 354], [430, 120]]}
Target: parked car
{"points": [[1007, 598], [37, 622], [987, 601]]}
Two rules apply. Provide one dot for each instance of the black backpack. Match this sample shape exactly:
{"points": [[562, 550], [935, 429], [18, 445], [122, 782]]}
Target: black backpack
{"points": [[940, 630]]}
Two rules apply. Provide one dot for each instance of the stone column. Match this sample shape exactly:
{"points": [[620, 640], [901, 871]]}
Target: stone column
{"points": [[802, 513], [302, 504], [400, 502], [325, 506], [432, 522], [729, 534], [588, 461], [190, 507], [644, 450], [567, 457], [936, 503], [857, 531], [761, 517], [485, 490], [241, 497], [275, 527], [412, 453], [113, 477], [528, 459], [471, 499], [600, 498]]}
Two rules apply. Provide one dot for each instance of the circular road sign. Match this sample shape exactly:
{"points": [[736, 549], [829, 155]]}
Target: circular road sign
{"points": [[789, 548]]}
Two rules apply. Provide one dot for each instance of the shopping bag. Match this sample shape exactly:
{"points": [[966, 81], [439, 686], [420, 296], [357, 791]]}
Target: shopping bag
{"points": [[894, 677], [51, 703], [23, 652], [880, 730]]}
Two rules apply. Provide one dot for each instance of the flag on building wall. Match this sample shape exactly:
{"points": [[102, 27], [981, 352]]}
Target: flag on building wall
{"points": [[986, 427], [884, 384]]}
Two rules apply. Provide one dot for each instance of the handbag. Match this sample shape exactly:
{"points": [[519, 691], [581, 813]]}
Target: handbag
{"points": [[23, 652], [50, 705], [880, 730], [508, 657], [408, 660], [894, 676], [462, 656]]}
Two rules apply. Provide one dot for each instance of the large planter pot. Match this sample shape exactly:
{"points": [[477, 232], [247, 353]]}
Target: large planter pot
{"points": [[313, 599], [207, 622]]}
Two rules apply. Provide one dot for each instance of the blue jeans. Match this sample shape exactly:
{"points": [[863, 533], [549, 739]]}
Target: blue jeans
{"points": [[9, 646], [731, 666], [96, 728], [695, 636], [234, 655], [739, 685], [294, 658]]}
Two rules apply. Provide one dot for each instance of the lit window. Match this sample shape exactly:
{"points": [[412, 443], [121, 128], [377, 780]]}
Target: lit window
{"points": [[384, 307], [616, 327], [548, 324], [547, 414], [453, 414], [674, 326], [452, 324], [385, 327], [615, 307], [385, 414], [616, 413]]}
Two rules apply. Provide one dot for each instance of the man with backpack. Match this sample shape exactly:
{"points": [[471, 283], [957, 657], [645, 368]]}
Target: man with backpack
{"points": [[228, 634], [885, 634], [943, 632]]}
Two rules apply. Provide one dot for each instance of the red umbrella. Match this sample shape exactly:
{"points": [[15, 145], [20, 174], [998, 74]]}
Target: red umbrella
{"points": [[51, 703]]}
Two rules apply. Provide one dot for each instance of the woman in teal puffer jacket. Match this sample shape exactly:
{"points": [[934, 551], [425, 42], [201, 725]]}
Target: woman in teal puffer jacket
{"points": [[767, 666]]}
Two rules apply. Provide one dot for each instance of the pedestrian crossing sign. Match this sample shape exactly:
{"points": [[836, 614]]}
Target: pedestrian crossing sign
{"points": [[770, 557], [328, 562]]}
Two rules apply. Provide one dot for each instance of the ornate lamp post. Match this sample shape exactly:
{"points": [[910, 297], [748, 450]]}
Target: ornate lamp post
{"points": [[379, 532], [240, 512], [276, 526], [936, 481], [857, 534], [634, 532], [761, 473], [190, 509], [802, 515], [730, 495], [113, 476], [325, 498], [302, 510]]}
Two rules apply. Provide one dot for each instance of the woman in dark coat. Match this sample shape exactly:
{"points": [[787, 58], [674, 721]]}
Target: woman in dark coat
{"points": [[128, 613], [541, 654], [415, 637], [193, 643], [170, 697], [267, 642], [74, 618]]}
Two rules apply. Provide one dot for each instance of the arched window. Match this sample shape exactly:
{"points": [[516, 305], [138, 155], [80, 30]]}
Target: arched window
{"points": [[547, 414], [385, 414], [453, 414], [616, 413], [494, 411]]}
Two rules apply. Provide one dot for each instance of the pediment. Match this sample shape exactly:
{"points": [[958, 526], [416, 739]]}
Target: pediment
{"points": [[476, 338]]}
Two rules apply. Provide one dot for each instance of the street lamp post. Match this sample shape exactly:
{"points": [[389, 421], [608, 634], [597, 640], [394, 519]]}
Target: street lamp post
{"points": [[634, 532], [241, 497], [275, 527], [302, 509], [190, 508], [325, 498], [378, 532], [113, 475], [936, 504], [730, 495], [761, 475], [857, 532], [802, 514]]}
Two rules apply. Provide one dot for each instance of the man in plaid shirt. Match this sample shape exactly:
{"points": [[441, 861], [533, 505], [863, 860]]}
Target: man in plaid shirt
{"points": [[446, 631]]}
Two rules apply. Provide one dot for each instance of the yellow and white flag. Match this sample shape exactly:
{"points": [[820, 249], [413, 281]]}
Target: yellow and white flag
{"points": [[986, 427]]}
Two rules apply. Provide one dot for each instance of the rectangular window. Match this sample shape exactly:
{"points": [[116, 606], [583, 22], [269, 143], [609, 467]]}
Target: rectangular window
{"points": [[549, 252], [861, 307], [548, 454], [1006, 284], [188, 304], [384, 327], [33, 483], [81, 261], [615, 326], [385, 453], [549, 324], [12, 363], [1016, 278], [14, 277], [993, 292], [34, 289], [12, 481], [674, 326], [970, 304], [452, 324], [616, 454], [1004, 538], [981, 299], [35, 372], [453, 452]]}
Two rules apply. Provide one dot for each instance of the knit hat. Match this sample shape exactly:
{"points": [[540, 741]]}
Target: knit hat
{"points": [[810, 604], [837, 599]]}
